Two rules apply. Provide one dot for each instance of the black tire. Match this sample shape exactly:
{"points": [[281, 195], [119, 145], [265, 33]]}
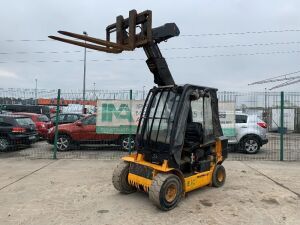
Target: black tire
{"points": [[218, 176], [250, 145], [63, 142], [166, 191], [4, 144], [124, 143], [120, 178]]}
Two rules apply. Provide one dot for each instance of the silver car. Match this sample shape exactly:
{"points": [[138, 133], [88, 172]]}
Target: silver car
{"points": [[250, 133]]}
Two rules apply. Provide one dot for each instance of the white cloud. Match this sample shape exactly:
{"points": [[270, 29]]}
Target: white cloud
{"points": [[7, 74]]}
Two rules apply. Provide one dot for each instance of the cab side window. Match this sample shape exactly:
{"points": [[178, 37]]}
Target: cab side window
{"points": [[202, 113]]}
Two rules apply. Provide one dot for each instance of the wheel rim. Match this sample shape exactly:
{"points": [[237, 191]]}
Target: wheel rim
{"points": [[125, 143], [220, 176], [251, 145], [62, 143], [171, 193], [3, 144]]}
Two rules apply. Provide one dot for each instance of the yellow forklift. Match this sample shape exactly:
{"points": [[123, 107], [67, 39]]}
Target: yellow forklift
{"points": [[179, 141]]}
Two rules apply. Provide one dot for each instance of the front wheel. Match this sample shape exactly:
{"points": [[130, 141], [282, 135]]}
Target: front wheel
{"points": [[250, 145], [120, 178], [166, 191]]}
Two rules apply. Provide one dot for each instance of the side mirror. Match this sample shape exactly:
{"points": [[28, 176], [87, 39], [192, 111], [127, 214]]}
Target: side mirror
{"points": [[78, 123]]}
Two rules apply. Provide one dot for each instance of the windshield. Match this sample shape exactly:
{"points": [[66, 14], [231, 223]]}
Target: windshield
{"points": [[43, 118], [91, 120], [24, 121], [158, 125]]}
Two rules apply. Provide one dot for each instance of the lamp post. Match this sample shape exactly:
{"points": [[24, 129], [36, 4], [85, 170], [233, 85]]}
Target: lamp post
{"points": [[144, 92], [94, 91], [36, 101], [84, 75]]}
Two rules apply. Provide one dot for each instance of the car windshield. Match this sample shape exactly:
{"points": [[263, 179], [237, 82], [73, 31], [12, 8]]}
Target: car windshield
{"points": [[91, 120], [43, 118], [24, 121]]}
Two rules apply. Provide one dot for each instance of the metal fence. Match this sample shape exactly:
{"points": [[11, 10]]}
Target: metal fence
{"points": [[281, 112]]}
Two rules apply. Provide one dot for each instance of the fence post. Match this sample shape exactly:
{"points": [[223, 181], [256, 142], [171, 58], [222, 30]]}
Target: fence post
{"points": [[281, 124], [56, 124], [130, 125]]}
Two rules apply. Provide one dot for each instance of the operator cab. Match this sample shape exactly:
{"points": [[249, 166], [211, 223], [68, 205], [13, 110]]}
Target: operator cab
{"points": [[175, 122]]}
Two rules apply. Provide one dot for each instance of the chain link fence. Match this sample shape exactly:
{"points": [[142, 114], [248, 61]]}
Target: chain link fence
{"points": [[280, 112]]}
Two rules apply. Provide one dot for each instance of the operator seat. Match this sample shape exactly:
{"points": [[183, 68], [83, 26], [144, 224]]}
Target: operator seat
{"points": [[192, 140]]}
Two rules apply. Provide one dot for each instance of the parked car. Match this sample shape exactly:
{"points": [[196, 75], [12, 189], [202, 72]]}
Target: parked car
{"points": [[4, 111], [83, 132], [16, 130], [65, 118], [27, 108], [250, 133], [42, 122]]}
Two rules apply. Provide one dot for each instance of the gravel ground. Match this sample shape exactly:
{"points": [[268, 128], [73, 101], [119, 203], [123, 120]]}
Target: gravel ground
{"points": [[80, 192]]}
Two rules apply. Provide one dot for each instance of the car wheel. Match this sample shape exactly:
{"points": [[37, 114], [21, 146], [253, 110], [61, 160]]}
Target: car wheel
{"points": [[251, 145], [4, 144], [125, 142], [63, 143]]}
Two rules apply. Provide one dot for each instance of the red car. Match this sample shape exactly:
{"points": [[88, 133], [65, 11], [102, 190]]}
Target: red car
{"points": [[83, 132], [42, 122]]}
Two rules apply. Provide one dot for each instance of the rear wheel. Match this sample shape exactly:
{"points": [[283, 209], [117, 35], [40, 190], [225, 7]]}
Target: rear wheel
{"points": [[219, 176], [250, 145], [63, 143], [120, 178], [165, 191], [4, 144]]}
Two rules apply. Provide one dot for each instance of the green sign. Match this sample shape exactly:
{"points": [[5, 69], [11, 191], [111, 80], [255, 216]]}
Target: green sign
{"points": [[118, 116], [109, 110]]}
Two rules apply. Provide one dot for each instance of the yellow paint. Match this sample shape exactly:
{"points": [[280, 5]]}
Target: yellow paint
{"points": [[197, 180], [138, 159], [219, 150], [138, 181], [192, 182]]}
